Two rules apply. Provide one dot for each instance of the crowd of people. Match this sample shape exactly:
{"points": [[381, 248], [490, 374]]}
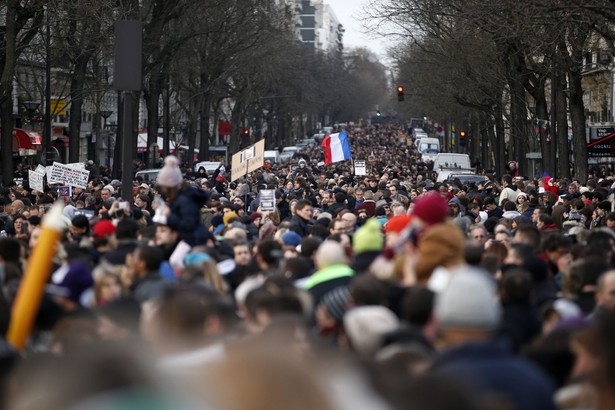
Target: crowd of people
{"points": [[383, 291]]}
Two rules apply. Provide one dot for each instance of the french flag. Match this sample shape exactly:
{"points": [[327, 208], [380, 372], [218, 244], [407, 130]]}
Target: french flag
{"points": [[337, 147]]}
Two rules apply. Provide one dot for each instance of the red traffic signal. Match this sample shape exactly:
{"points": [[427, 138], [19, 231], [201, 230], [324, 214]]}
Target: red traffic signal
{"points": [[400, 93], [462, 134], [246, 132]]}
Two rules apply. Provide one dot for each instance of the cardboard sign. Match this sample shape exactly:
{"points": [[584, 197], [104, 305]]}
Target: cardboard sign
{"points": [[40, 169], [35, 179], [248, 160], [67, 175], [65, 191], [267, 200], [359, 168]]}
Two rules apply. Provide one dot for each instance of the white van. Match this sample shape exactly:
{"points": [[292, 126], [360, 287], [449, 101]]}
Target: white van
{"points": [[447, 160], [209, 166], [429, 148], [272, 156]]}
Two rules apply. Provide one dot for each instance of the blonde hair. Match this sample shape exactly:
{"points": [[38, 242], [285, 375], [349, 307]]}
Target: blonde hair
{"points": [[101, 272]]}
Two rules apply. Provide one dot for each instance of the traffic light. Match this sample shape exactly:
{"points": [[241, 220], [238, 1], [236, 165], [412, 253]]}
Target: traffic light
{"points": [[246, 132], [463, 138], [400, 93], [378, 113]]}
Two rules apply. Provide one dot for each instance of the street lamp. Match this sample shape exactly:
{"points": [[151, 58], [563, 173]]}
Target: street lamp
{"points": [[31, 107], [106, 114]]}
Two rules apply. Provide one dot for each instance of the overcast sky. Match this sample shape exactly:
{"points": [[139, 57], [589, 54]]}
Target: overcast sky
{"points": [[346, 12]]}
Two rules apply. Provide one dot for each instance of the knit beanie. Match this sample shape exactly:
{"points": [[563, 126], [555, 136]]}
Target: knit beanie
{"points": [[397, 223], [368, 237], [431, 208], [366, 327], [440, 245], [336, 303], [469, 301], [170, 176], [228, 217]]}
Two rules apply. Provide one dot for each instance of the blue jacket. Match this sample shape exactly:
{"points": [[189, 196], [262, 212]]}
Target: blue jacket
{"points": [[490, 369], [185, 215]]}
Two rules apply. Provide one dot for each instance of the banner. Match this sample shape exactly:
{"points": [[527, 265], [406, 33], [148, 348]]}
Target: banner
{"points": [[359, 168], [35, 179], [267, 200], [67, 175], [248, 160]]}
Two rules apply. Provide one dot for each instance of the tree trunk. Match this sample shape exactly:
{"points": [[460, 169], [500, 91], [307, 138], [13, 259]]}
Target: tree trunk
{"points": [[577, 115], [8, 59], [518, 111], [542, 112], [152, 102], [204, 124], [563, 153], [500, 165], [235, 138], [77, 86]]}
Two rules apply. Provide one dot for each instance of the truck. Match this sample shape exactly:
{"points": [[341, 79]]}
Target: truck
{"points": [[429, 148]]}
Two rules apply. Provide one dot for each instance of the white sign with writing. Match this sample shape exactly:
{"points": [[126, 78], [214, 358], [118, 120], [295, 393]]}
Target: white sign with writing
{"points": [[267, 201], [67, 175], [35, 180], [359, 168], [40, 169]]}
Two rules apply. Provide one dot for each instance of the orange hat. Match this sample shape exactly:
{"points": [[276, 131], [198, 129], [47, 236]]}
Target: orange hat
{"points": [[397, 223]]}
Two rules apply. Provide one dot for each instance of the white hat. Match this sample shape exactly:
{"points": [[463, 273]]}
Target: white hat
{"points": [[470, 301], [170, 175]]}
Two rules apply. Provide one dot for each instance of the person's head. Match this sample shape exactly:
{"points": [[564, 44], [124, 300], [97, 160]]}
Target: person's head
{"points": [[165, 235], [337, 226], [463, 319], [107, 284], [605, 294], [479, 234], [529, 235], [330, 253], [146, 259], [105, 194], [304, 209], [516, 287], [241, 252]]}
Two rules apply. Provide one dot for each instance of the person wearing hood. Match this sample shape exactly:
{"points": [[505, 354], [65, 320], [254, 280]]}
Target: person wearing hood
{"points": [[509, 191], [183, 212]]}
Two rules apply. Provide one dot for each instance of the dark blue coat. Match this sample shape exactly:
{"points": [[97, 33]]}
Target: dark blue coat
{"points": [[185, 215], [491, 370]]}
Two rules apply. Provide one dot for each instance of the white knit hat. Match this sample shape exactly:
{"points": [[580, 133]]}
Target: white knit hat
{"points": [[469, 301], [170, 176], [366, 327]]}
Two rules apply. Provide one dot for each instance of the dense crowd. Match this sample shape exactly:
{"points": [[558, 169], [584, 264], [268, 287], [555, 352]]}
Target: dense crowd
{"points": [[384, 291]]}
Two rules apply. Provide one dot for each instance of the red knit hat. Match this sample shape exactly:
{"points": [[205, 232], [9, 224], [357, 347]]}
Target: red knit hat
{"points": [[397, 223], [103, 228], [431, 208]]}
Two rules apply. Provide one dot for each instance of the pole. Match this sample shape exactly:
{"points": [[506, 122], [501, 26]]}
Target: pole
{"points": [[47, 129], [126, 179]]}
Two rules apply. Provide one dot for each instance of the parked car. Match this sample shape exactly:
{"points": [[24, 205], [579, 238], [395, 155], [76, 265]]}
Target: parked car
{"points": [[288, 153], [149, 175]]}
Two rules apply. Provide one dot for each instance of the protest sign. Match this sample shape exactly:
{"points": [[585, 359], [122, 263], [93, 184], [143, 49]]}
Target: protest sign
{"points": [[35, 180], [65, 191], [67, 175], [267, 200], [359, 168]]}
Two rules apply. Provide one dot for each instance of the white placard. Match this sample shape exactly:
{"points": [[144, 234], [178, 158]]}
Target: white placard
{"points": [[76, 165], [40, 169], [267, 201], [62, 174], [359, 168], [35, 180]]}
